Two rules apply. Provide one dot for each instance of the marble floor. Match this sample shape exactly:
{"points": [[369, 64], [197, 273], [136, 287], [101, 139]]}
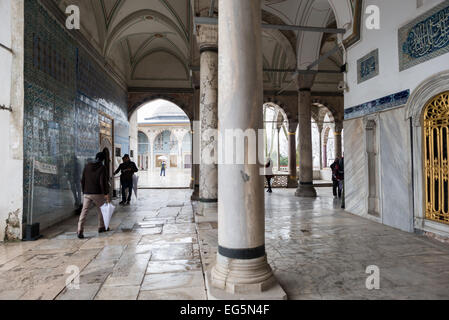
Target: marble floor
{"points": [[156, 250], [174, 178]]}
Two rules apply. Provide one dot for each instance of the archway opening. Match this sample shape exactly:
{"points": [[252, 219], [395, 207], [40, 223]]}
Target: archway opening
{"points": [[164, 142]]}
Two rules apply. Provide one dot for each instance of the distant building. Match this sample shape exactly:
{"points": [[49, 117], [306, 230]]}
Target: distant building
{"points": [[166, 133]]}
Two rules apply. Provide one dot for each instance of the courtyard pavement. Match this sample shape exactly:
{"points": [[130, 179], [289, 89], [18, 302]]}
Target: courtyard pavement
{"points": [[156, 250]]}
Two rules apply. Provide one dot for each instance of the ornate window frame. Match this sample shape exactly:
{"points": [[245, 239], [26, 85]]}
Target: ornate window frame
{"points": [[420, 97]]}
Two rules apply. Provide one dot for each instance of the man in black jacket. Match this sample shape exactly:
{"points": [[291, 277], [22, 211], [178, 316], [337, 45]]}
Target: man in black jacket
{"points": [[127, 168], [96, 191]]}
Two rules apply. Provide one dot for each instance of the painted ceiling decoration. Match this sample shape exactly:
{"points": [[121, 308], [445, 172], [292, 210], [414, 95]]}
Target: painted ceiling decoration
{"points": [[151, 43]]}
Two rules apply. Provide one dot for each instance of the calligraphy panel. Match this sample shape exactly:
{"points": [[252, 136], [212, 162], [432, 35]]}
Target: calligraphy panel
{"points": [[368, 66], [424, 38]]}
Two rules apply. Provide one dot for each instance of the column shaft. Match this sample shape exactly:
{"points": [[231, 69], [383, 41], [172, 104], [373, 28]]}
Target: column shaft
{"points": [[292, 178], [209, 123], [305, 188], [337, 132]]}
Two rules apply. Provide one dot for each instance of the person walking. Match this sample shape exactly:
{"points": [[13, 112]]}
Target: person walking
{"points": [[163, 166], [269, 174], [95, 185], [127, 169], [335, 183], [341, 180]]}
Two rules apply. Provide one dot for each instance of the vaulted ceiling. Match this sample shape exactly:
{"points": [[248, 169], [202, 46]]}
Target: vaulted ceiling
{"points": [[151, 43]]}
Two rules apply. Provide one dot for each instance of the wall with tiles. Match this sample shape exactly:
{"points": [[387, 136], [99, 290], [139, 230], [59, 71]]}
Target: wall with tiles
{"points": [[393, 16], [65, 90], [384, 69]]}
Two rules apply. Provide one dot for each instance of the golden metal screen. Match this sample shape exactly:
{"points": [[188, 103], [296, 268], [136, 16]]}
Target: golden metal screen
{"points": [[436, 169]]}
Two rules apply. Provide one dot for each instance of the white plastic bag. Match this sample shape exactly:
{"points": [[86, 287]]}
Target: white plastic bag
{"points": [[135, 183], [107, 210]]}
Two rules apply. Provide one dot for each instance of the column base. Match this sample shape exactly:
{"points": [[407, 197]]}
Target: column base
{"points": [[241, 279], [274, 293], [292, 182], [196, 193], [306, 191], [207, 207]]}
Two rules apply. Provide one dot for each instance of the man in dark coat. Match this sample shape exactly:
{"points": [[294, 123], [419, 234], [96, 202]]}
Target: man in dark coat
{"points": [[96, 192], [127, 168], [335, 183]]}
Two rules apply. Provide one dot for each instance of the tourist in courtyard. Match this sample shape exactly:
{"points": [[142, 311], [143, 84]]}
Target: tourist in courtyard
{"points": [[269, 174], [335, 183], [163, 166], [127, 169], [341, 180], [95, 187]]}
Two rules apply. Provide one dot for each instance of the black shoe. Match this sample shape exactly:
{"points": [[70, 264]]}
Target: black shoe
{"points": [[101, 230], [128, 203], [80, 235], [122, 203]]}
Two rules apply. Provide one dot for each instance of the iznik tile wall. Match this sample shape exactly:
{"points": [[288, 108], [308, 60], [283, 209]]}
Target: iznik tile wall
{"points": [[64, 92]]}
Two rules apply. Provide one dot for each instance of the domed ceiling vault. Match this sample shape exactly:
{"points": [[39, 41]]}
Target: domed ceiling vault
{"points": [[151, 43]]}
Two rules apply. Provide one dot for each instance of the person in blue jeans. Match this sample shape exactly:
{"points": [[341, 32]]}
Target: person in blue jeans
{"points": [[163, 168]]}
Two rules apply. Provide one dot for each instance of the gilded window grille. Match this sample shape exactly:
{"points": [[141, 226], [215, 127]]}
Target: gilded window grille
{"points": [[436, 167]]}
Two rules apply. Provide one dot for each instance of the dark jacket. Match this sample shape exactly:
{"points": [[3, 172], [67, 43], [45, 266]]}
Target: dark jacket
{"points": [[128, 169], [95, 179]]}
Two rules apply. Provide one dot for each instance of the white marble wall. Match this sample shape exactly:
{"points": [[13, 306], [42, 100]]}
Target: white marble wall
{"points": [[356, 186], [395, 166], [395, 185]]}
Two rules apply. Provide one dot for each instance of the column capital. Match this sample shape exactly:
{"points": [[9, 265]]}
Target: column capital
{"points": [[292, 126], [207, 37], [338, 126], [304, 82]]}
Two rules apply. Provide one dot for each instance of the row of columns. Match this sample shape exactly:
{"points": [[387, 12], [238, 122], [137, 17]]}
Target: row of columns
{"points": [[236, 72]]}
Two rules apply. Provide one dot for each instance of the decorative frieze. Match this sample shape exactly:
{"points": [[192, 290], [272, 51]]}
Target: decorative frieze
{"points": [[378, 105], [425, 38]]}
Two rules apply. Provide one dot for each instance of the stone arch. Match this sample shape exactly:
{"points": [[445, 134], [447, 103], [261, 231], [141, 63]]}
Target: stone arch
{"points": [[427, 90], [138, 99]]}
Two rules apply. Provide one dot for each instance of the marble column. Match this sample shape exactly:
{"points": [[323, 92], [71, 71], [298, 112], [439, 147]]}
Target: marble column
{"points": [[207, 37], [241, 270], [320, 132], [279, 148], [292, 177], [305, 187], [337, 143], [196, 143]]}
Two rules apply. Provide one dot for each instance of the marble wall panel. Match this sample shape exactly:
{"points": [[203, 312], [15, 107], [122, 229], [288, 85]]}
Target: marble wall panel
{"points": [[395, 165], [356, 188]]}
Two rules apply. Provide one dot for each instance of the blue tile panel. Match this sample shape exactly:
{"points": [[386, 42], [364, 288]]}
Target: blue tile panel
{"points": [[378, 105], [368, 66], [425, 38], [64, 92]]}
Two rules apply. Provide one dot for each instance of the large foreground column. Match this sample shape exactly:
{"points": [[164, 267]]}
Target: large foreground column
{"points": [[305, 187], [241, 270], [208, 42], [292, 177]]}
